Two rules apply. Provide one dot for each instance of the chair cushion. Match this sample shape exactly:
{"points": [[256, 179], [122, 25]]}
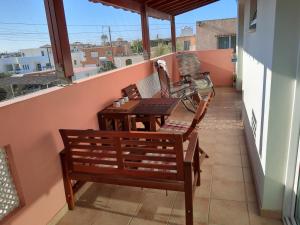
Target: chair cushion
{"points": [[175, 126]]}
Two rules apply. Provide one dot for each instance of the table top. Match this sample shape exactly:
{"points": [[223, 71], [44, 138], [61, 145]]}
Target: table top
{"points": [[145, 106]]}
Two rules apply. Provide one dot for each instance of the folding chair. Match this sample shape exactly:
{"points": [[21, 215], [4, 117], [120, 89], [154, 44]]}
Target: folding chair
{"points": [[183, 90], [186, 128], [189, 67]]}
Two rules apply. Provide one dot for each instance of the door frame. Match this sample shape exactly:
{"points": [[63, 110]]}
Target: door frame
{"points": [[293, 168]]}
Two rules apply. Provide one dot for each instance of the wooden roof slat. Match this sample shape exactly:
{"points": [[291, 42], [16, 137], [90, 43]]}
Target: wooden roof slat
{"points": [[161, 9], [156, 3], [187, 9], [175, 4], [125, 4]]}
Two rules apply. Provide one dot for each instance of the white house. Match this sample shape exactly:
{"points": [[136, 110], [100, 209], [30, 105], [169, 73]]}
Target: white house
{"points": [[269, 75], [36, 59]]}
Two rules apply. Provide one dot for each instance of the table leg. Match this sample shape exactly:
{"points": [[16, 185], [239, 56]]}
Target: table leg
{"points": [[162, 120], [127, 124], [152, 123]]}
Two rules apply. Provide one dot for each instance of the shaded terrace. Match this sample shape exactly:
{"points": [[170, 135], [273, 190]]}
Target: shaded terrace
{"points": [[226, 195]]}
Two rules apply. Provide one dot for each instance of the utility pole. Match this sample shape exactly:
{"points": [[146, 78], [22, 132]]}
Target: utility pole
{"points": [[111, 46]]}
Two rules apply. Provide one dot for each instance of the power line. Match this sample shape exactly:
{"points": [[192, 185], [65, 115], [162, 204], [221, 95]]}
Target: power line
{"points": [[86, 25]]}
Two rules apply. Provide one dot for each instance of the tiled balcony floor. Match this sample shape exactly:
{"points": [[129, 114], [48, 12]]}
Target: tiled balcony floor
{"points": [[226, 195]]}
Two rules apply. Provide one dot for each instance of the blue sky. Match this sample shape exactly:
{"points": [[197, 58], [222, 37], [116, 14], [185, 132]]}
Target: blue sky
{"points": [[25, 26]]}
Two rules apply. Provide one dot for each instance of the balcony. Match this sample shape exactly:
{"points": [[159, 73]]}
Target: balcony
{"points": [[240, 181], [226, 194]]}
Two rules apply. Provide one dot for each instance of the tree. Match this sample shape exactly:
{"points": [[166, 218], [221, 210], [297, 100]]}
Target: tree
{"points": [[104, 39], [3, 94], [2, 75], [137, 46], [108, 65], [161, 49]]}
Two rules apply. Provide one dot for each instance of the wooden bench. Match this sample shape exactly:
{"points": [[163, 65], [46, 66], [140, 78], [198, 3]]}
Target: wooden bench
{"points": [[140, 159]]}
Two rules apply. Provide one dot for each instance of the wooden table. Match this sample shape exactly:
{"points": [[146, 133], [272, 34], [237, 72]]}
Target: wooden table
{"points": [[123, 118]]}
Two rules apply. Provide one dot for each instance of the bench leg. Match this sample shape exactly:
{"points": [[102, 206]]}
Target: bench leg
{"points": [[67, 183], [197, 164], [188, 189]]}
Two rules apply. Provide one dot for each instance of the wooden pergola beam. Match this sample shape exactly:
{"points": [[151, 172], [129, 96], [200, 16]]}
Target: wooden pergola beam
{"points": [[59, 37], [173, 33], [175, 4], [157, 14], [192, 7], [145, 32], [154, 3], [125, 4], [134, 6]]}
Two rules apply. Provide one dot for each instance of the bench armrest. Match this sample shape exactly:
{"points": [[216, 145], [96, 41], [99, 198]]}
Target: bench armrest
{"points": [[193, 144]]}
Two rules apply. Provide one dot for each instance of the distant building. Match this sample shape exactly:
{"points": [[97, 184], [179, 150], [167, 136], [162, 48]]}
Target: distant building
{"points": [[27, 61], [122, 61], [187, 31], [35, 59], [186, 43], [93, 54], [216, 34]]}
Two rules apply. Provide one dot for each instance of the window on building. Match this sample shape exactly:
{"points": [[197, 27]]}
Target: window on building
{"points": [[43, 53], [75, 62], [186, 45], [128, 62], [227, 41], [94, 54], [9, 67], [253, 14]]}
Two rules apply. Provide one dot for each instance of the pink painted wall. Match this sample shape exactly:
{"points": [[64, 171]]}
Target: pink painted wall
{"points": [[30, 126], [219, 64]]}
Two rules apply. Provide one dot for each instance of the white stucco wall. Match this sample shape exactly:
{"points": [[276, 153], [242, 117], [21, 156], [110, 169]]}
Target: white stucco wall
{"points": [[269, 65], [257, 64]]}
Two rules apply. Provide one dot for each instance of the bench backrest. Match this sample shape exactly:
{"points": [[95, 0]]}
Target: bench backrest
{"points": [[132, 92], [144, 155]]}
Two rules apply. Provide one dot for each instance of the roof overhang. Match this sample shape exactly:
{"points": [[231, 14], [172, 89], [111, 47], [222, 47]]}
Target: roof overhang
{"points": [[160, 9]]}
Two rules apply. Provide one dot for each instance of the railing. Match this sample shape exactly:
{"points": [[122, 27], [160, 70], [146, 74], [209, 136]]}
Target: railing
{"points": [[29, 124]]}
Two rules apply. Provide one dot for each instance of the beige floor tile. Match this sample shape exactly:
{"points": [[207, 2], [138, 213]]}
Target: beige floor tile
{"points": [[110, 218], [209, 148], [79, 216], [201, 208], [208, 162], [227, 140], [255, 219], [125, 200], [228, 173], [243, 149], [96, 196], [204, 190], [247, 175], [155, 209], [228, 190], [250, 192], [224, 212], [207, 140], [242, 140], [206, 173], [227, 159], [245, 161], [227, 148]]}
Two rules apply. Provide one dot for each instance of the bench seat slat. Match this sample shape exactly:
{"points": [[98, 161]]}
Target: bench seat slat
{"points": [[159, 158]]}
